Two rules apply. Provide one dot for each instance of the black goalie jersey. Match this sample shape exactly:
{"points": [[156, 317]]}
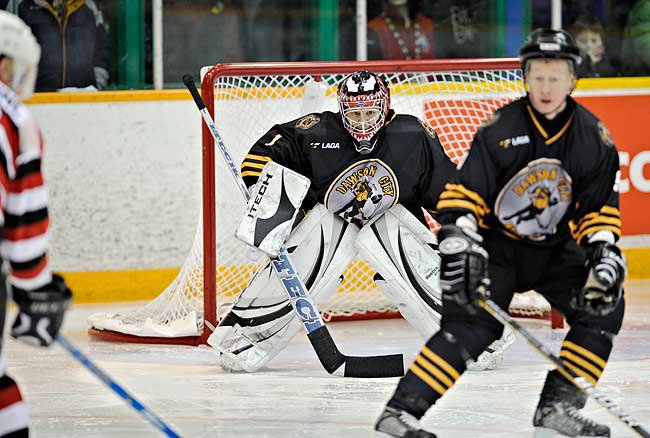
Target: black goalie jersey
{"points": [[407, 165], [539, 180]]}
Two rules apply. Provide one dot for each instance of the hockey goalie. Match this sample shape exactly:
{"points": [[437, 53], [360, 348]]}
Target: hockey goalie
{"points": [[332, 187]]}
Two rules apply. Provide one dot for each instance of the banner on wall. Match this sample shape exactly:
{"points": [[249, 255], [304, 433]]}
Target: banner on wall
{"points": [[627, 120]]}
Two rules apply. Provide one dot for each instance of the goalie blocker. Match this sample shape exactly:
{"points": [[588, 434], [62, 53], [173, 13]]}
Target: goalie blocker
{"points": [[272, 208]]}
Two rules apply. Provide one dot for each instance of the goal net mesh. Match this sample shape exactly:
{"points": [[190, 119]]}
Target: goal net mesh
{"points": [[454, 103]]}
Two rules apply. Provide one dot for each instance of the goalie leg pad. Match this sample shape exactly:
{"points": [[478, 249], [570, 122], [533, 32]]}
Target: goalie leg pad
{"points": [[261, 322], [400, 249], [272, 208]]}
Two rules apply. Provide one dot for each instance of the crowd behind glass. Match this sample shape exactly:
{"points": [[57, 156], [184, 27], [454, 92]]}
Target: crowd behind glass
{"points": [[614, 35]]}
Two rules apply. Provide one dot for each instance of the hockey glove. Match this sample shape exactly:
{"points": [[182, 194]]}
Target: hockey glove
{"points": [[604, 286], [463, 264], [40, 312]]}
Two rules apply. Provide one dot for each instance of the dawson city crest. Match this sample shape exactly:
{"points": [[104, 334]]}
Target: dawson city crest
{"points": [[362, 191], [534, 201]]}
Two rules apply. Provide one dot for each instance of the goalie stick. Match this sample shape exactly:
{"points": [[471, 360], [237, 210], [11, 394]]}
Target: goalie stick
{"points": [[580, 382], [317, 332], [116, 388]]}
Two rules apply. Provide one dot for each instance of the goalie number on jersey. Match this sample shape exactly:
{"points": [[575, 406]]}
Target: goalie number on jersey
{"points": [[272, 208]]}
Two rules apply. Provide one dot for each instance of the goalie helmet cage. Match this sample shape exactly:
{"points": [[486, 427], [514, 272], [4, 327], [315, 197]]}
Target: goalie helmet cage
{"points": [[245, 100]]}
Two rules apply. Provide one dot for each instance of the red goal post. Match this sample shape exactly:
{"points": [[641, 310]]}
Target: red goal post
{"points": [[453, 96]]}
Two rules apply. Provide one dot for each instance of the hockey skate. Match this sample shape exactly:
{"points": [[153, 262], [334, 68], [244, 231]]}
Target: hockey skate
{"points": [[399, 423], [493, 355], [558, 413]]}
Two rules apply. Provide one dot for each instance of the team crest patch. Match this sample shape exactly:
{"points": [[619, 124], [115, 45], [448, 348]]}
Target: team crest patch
{"points": [[535, 200], [307, 122], [605, 135], [363, 191], [432, 133], [490, 120]]}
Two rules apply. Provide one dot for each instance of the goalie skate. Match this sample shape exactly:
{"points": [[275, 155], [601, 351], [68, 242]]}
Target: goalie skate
{"points": [[250, 348]]}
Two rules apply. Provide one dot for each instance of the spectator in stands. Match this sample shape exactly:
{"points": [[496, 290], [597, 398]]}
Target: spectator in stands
{"points": [[590, 39], [400, 32], [461, 28], [636, 45], [75, 44]]}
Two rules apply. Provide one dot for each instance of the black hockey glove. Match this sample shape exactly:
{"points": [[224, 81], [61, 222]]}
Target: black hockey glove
{"points": [[40, 312], [463, 264], [604, 286]]}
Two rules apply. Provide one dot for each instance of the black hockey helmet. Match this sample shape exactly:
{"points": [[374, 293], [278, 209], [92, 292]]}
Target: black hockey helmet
{"points": [[550, 44], [364, 102]]}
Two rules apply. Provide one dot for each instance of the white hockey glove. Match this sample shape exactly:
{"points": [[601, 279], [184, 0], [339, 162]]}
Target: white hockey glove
{"points": [[463, 264], [40, 312], [604, 286], [272, 208]]}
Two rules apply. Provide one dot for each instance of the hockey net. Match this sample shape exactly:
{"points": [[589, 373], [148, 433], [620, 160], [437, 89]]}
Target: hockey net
{"points": [[454, 97]]}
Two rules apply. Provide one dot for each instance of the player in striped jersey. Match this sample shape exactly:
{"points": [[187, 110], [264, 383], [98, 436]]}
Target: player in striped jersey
{"points": [[539, 194], [41, 297]]}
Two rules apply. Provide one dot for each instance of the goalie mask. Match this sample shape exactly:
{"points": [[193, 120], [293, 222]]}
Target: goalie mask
{"points": [[550, 44], [364, 101]]}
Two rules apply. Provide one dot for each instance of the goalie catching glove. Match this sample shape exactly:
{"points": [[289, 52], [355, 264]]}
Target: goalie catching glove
{"points": [[272, 208], [463, 263], [604, 286], [40, 312]]}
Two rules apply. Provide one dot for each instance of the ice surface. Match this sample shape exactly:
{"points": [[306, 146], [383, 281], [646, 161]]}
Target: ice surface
{"points": [[294, 396]]}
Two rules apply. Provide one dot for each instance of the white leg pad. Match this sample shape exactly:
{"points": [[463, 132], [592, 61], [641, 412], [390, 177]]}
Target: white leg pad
{"points": [[397, 245], [261, 322]]}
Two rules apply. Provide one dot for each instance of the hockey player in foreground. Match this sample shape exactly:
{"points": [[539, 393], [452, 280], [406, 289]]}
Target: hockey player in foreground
{"points": [[538, 193], [370, 173], [41, 297]]}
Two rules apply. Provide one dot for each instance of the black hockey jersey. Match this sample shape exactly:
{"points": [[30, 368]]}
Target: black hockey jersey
{"points": [[537, 183], [407, 165]]}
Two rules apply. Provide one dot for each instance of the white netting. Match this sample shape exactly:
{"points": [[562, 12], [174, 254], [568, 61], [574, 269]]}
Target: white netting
{"points": [[454, 103]]}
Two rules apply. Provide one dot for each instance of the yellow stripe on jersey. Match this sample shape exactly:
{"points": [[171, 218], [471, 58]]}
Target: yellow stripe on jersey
{"points": [[457, 203], [427, 379], [547, 138], [608, 218], [475, 197], [613, 211], [252, 165], [458, 196], [257, 157], [560, 132], [443, 364], [250, 173], [582, 351]]}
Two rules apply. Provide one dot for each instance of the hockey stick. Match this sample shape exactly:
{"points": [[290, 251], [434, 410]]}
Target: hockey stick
{"points": [[116, 388], [319, 336], [580, 382]]}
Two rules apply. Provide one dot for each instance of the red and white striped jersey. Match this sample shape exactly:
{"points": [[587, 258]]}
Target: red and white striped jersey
{"points": [[23, 196]]}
